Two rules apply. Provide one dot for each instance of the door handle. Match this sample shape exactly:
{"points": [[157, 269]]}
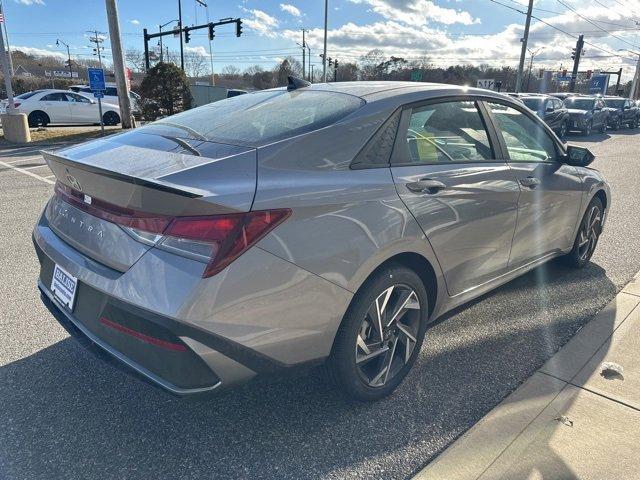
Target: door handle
{"points": [[530, 182], [426, 185]]}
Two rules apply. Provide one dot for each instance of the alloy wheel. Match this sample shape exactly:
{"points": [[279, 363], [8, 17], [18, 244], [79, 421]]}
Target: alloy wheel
{"points": [[589, 232], [387, 335]]}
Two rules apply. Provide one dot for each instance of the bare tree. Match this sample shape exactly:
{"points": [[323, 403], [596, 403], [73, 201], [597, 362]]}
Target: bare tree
{"points": [[195, 64], [134, 59], [231, 71]]}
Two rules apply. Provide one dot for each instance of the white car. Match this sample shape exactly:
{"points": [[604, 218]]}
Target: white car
{"points": [[110, 95], [51, 106]]}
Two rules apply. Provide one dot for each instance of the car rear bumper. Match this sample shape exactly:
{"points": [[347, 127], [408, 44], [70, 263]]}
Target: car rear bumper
{"points": [[189, 335]]}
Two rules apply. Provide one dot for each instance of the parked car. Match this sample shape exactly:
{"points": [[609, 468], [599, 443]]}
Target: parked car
{"points": [[586, 114], [203, 249], [551, 110], [622, 111], [110, 95], [51, 106]]}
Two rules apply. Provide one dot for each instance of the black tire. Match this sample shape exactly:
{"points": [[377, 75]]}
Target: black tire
{"points": [[603, 128], [634, 123], [38, 118], [587, 130], [579, 257], [111, 118], [352, 379], [616, 125]]}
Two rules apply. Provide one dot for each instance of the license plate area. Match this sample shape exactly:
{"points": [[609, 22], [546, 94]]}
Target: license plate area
{"points": [[64, 287]]}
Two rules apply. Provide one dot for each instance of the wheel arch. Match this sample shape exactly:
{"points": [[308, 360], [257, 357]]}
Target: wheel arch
{"points": [[46, 115]]}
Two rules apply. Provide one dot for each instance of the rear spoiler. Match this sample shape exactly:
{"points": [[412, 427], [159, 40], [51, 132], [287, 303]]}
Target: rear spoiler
{"points": [[52, 159]]}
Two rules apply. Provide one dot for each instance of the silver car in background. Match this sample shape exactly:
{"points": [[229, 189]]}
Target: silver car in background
{"points": [[325, 223]]}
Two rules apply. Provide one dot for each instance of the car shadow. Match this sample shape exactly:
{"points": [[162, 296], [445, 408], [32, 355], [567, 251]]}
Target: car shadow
{"points": [[68, 415]]}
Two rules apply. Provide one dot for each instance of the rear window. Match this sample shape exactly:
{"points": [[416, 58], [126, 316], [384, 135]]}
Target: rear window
{"points": [[262, 117], [24, 96], [533, 103]]}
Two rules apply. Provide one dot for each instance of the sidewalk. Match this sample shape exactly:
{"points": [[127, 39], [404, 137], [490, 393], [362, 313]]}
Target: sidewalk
{"points": [[572, 419]]}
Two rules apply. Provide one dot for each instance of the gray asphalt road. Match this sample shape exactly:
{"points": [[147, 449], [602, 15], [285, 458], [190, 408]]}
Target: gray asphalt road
{"points": [[67, 415]]}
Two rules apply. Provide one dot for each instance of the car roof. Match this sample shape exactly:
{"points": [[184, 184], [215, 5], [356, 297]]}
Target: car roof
{"points": [[373, 91]]}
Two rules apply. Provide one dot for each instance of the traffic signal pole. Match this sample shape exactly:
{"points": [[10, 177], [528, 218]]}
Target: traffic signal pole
{"points": [[523, 52], [576, 63]]}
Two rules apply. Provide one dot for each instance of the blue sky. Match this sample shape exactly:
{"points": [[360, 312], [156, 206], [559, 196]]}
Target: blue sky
{"points": [[445, 31]]}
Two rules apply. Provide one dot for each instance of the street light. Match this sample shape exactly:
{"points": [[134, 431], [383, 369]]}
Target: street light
{"points": [[58, 42], [160, 28]]}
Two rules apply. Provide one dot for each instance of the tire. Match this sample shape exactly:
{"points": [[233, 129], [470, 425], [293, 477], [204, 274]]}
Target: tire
{"points": [[364, 364], [589, 232], [562, 133], [603, 128], [110, 118], [616, 125], [587, 130], [38, 118], [633, 123]]}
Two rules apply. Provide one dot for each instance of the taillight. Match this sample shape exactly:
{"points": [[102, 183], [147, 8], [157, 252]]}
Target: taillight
{"points": [[220, 238], [216, 239]]}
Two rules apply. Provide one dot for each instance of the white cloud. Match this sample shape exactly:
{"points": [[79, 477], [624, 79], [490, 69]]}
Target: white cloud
{"points": [[418, 12], [286, 7], [30, 2], [261, 22], [39, 52], [199, 50], [134, 22]]}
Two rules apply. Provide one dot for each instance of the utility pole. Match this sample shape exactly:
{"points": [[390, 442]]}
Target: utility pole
{"points": [[304, 51], [180, 27], [118, 65], [523, 52], [213, 78], [6, 38], [532, 54], [58, 42], [577, 52], [312, 72], [98, 40], [309, 57], [4, 63], [324, 53]]}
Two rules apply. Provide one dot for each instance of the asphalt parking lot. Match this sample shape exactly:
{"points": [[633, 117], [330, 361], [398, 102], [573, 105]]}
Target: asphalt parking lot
{"points": [[68, 415]]}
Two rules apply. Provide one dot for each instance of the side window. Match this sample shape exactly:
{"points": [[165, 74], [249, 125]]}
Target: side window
{"points": [[54, 97], [526, 139], [549, 105], [447, 133], [111, 92], [558, 104], [77, 98]]}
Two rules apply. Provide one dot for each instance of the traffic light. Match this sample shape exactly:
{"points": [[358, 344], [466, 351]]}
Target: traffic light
{"points": [[573, 53], [335, 63], [589, 73], [187, 35], [212, 31], [541, 74], [238, 28], [564, 72]]}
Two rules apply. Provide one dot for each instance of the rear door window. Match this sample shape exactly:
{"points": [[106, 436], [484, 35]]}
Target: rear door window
{"points": [[54, 97], [449, 132], [261, 117]]}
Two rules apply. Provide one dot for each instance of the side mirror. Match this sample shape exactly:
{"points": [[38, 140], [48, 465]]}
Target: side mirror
{"points": [[549, 109], [578, 156]]}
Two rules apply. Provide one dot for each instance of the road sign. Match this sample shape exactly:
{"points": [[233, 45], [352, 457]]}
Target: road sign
{"points": [[96, 79], [599, 84], [563, 78], [416, 76], [488, 83], [98, 94]]}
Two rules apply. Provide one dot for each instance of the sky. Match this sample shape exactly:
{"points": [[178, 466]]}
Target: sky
{"points": [[446, 32]]}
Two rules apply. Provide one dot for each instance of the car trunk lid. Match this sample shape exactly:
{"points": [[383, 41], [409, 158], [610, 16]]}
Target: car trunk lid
{"points": [[141, 174]]}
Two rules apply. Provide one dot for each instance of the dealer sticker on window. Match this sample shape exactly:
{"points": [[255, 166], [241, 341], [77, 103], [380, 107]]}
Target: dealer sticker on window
{"points": [[63, 286]]}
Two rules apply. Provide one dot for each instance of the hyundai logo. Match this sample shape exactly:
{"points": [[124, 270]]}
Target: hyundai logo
{"points": [[73, 182]]}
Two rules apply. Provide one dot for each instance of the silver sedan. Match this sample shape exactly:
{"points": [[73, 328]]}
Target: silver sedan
{"points": [[325, 223]]}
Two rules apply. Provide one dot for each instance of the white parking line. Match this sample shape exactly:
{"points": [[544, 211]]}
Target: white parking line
{"points": [[27, 172], [33, 166], [25, 159]]}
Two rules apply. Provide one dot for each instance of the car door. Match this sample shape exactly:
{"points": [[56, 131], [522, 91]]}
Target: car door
{"points": [[56, 106], [449, 174], [550, 191], [82, 110]]}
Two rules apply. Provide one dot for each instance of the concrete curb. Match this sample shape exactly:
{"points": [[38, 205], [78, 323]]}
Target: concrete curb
{"points": [[553, 425]]}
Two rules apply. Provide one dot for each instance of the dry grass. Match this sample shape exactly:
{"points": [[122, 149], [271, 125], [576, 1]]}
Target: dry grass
{"points": [[64, 134]]}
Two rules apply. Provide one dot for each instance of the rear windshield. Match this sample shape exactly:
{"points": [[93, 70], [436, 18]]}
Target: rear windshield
{"points": [[533, 103], [262, 117], [579, 103], [24, 96]]}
